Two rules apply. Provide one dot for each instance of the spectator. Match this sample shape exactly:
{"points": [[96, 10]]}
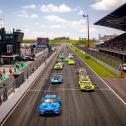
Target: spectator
{"points": [[1, 75], [0, 97], [5, 97], [10, 70], [14, 69], [4, 71], [17, 65]]}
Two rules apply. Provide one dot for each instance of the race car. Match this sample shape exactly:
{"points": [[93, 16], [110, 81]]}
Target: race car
{"points": [[70, 56], [67, 59], [50, 105], [86, 85], [71, 62], [81, 71], [124, 67], [56, 78], [59, 60], [61, 56], [84, 78], [62, 63], [54, 97], [58, 66]]}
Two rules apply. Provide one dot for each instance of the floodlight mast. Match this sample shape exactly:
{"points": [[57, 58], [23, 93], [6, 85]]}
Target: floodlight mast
{"points": [[88, 44]]}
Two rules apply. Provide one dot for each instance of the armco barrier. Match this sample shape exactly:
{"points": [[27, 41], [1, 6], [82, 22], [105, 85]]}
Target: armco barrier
{"points": [[104, 64], [7, 106]]}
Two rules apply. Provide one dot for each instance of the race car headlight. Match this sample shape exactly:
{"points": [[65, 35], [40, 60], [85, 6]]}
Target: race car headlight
{"points": [[41, 110], [56, 109]]}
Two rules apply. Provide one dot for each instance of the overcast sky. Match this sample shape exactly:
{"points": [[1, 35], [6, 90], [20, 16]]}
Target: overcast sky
{"points": [[53, 18]]}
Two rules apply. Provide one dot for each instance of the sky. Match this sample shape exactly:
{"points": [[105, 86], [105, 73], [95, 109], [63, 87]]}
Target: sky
{"points": [[56, 18]]}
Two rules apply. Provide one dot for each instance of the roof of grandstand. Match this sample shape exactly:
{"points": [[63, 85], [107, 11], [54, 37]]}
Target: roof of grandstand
{"points": [[116, 19]]}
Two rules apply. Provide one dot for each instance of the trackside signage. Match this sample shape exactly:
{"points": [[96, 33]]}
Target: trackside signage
{"points": [[42, 42]]}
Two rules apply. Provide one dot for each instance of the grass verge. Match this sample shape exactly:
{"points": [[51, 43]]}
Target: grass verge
{"points": [[98, 68]]}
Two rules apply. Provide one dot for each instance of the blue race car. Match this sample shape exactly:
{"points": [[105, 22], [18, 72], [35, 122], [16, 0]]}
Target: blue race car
{"points": [[50, 105], [54, 97], [56, 78]]}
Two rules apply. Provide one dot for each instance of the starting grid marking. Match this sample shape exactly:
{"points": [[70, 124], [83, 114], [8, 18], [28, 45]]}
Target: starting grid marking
{"points": [[64, 89]]}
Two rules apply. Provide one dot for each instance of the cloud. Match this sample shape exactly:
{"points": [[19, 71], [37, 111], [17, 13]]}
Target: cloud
{"points": [[32, 6], [55, 26], [107, 4], [55, 18], [1, 11], [43, 26], [24, 14], [34, 16], [81, 12], [66, 24], [26, 30], [51, 8], [58, 26]]}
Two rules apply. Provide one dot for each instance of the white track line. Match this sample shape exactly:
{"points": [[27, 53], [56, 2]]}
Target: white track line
{"points": [[104, 82], [66, 89], [13, 109]]}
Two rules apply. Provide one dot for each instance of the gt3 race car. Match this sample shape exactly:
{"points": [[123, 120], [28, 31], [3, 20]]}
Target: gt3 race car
{"points": [[70, 56], [86, 85], [71, 62], [61, 56], [124, 67], [84, 77], [81, 71], [58, 66], [67, 59], [56, 78], [50, 105]]}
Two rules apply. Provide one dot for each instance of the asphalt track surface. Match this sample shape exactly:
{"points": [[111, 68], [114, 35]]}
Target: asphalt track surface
{"points": [[98, 108]]}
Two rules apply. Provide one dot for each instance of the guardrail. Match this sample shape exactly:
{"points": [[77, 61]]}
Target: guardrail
{"points": [[22, 84], [107, 59], [7, 88], [104, 60]]}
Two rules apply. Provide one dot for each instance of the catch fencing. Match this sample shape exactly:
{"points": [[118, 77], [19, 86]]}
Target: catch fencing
{"points": [[9, 87]]}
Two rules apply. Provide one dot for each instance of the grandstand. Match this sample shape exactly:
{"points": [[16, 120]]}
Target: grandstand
{"points": [[117, 46]]}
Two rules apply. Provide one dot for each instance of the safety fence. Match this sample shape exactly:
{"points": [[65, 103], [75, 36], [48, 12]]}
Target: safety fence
{"points": [[9, 87], [108, 59]]}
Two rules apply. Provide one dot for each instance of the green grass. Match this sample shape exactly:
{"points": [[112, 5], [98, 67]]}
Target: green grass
{"points": [[80, 42], [55, 42], [60, 41], [99, 69], [29, 41]]}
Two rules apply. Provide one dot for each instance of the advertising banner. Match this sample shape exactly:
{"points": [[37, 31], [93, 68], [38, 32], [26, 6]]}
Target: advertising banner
{"points": [[42, 42]]}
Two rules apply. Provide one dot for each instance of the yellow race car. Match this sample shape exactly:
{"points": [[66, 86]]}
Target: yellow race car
{"points": [[81, 71], [84, 78], [58, 66], [86, 85], [71, 62]]}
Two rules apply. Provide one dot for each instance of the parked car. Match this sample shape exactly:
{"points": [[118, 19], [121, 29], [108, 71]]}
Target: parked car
{"points": [[28, 58], [20, 58]]}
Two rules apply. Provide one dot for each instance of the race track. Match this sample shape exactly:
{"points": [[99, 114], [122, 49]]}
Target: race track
{"points": [[98, 108]]}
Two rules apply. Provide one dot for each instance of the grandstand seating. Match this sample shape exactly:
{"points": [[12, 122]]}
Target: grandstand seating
{"points": [[118, 43]]}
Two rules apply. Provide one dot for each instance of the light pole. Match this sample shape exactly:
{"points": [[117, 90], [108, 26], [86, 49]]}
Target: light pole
{"points": [[0, 22], [88, 44]]}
